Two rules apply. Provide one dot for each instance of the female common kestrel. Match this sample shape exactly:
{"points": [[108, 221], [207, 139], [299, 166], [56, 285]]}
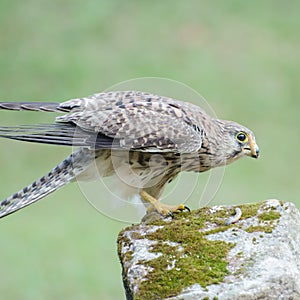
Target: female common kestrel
{"points": [[146, 139]]}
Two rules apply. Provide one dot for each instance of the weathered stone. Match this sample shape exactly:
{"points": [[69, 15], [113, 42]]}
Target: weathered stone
{"points": [[196, 256]]}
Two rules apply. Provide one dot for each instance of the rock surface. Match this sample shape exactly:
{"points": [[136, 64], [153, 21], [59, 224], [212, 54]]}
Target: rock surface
{"points": [[196, 256]]}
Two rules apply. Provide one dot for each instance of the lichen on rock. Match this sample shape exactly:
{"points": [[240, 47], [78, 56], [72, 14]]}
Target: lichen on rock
{"points": [[196, 256]]}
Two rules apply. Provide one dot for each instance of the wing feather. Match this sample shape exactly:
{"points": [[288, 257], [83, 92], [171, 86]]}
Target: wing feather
{"points": [[139, 120], [121, 120]]}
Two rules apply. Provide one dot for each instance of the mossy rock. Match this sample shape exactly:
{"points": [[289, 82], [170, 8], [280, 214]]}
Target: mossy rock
{"points": [[163, 258]]}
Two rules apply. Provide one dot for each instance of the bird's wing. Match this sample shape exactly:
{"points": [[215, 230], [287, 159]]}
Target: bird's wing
{"points": [[137, 120], [126, 120]]}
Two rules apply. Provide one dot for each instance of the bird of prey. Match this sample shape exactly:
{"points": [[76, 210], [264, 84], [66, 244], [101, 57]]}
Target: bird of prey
{"points": [[144, 138]]}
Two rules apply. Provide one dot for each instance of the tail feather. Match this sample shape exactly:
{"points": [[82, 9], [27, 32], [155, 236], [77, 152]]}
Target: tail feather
{"points": [[59, 176], [65, 134], [34, 106]]}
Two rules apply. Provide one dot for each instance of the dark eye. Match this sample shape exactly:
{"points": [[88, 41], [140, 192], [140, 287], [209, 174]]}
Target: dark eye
{"points": [[242, 137]]}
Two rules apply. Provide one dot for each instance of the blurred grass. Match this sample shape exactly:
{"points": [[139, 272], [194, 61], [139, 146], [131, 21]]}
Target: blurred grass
{"points": [[242, 56]]}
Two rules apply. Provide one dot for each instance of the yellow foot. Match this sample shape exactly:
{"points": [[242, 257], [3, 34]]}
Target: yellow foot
{"points": [[162, 209]]}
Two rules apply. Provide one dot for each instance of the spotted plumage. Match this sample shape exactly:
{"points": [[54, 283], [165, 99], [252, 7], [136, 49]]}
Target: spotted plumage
{"points": [[146, 139]]}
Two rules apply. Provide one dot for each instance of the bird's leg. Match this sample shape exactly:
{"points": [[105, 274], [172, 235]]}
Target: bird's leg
{"points": [[162, 209]]}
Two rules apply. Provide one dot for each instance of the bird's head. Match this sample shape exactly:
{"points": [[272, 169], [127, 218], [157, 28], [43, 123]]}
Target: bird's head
{"points": [[238, 141]]}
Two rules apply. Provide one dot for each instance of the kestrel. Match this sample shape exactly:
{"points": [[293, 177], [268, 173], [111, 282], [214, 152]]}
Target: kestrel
{"points": [[144, 138]]}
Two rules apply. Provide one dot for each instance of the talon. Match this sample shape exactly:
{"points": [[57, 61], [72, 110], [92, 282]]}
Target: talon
{"points": [[187, 208], [170, 214]]}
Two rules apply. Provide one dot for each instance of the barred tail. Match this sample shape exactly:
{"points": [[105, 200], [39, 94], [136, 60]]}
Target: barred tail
{"points": [[34, 106], [62, 174]]}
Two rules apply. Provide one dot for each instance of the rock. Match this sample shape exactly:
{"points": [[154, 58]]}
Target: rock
{"points": [[196, 256]]}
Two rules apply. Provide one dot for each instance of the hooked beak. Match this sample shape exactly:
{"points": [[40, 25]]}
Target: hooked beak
{"points": [[253, 151]]}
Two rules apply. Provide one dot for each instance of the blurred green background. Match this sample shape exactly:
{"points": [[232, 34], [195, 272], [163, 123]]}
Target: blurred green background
{"points": [[243, 57]]}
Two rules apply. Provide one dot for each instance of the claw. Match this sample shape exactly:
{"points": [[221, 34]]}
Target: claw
{"points": [[187, 208], [182, 207], [170, 214]]}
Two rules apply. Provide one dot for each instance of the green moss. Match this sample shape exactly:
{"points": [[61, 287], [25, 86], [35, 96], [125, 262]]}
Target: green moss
{"points": [[216, 230], [128, 255], [249, 210], [203, 260], [269, 216], [268, 229], [136, 235], [267, 222], [262, 228]]}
